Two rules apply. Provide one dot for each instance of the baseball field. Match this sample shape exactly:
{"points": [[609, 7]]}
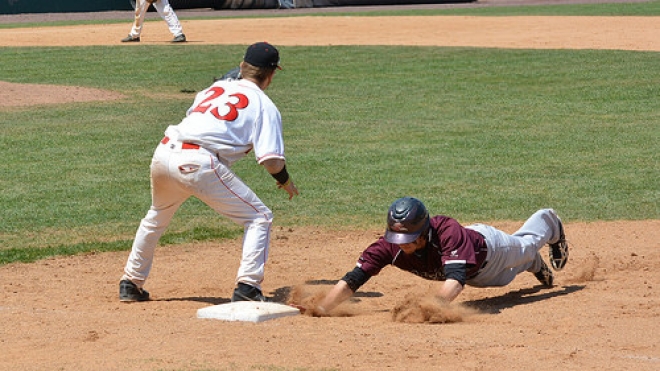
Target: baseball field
{"points": [[484, 113]]}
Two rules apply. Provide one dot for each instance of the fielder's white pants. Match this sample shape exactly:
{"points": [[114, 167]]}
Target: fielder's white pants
{"points": [[164, 10], [177, 174], [509, 255]]}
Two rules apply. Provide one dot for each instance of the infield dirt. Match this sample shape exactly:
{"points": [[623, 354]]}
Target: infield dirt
{"points": [[63, 313]]}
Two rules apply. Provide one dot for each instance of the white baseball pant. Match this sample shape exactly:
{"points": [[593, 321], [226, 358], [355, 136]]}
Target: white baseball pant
{"points": [[177, 174], [164, 10]]}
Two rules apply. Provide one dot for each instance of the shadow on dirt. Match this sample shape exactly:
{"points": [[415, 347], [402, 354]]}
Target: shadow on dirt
{"points": [[279, 295], [492, 305], [496, 304], [200, 299], [358, 294]]}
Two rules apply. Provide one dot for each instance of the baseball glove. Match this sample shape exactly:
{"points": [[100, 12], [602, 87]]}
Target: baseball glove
{"points": [[233, 74]]}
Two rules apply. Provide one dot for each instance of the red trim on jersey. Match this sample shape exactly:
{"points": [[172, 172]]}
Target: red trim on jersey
{"points": [[269, 156]]}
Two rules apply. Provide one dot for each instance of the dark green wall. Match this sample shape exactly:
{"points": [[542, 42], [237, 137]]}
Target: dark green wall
{"points": [[61, 6]]}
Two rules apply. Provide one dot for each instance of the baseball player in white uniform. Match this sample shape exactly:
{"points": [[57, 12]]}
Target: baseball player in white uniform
{"points": [[166, 13], [225, 122]]}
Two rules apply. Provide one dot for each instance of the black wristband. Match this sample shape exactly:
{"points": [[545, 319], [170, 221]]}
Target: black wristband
{"points": [[356, 278], [456, 272], [282, 177]]}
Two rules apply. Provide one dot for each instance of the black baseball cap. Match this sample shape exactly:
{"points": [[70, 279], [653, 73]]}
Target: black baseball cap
{"points": [[262, 54]]}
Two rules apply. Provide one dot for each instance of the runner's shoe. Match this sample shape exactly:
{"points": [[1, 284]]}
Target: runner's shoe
{"points": [[559, 251], [544, 275]]}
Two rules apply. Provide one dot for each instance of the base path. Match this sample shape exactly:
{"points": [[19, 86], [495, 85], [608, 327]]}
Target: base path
{"points": [[626, 33]]}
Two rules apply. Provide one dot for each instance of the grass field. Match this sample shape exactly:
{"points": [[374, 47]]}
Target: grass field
{"points": [[479, 134]]}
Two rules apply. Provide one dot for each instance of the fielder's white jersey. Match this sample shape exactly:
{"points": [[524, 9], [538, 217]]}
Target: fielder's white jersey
{"points": [[231, 118]]}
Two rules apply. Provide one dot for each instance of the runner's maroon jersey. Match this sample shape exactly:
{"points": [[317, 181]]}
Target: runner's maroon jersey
{"points": [[449, 243]]}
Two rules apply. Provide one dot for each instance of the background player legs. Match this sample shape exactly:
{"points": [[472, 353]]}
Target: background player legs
{"points": [[166, 12], [141, 7]]}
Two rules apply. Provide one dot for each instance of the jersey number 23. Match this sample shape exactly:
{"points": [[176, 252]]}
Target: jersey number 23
{"points": [[217, 99]]}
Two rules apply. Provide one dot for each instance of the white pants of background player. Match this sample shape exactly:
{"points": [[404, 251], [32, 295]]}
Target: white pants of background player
{"points": [[164, 10], [509, 255], [177, 174]]}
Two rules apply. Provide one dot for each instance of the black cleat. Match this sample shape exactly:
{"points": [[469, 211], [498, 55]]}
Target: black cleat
{"points": [[129, 292], [245, 292], [131, 39], [179, 39], [559, 251], [545, 275]]}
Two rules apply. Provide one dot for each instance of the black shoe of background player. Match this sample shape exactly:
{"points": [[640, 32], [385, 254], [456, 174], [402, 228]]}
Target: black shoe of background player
{"points": [[179, 39], [131, 39]]}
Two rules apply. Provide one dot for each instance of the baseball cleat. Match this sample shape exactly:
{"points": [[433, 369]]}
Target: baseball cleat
{"points": [[245, 292], [130, 39], [179, 39], [129, 292], [559, 251], [545, 275]]}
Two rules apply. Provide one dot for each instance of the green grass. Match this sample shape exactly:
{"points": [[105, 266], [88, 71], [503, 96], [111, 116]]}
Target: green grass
{"points": [[478, 134]]}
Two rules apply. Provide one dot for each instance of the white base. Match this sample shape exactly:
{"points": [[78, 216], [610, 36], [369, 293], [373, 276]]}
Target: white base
{"points": [[248, 311]]}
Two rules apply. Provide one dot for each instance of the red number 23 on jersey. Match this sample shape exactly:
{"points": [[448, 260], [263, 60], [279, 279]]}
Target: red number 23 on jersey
{"points": [[217, 92]]}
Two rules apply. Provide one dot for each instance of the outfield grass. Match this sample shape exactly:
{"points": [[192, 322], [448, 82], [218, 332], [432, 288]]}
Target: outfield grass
{"points": [[479, 134]]}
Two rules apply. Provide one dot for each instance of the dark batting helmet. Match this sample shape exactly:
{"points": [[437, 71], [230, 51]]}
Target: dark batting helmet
{"points": [[407, 218]]}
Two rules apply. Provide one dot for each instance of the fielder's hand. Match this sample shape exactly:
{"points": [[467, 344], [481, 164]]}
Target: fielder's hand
{"points": [[289, 187]]}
